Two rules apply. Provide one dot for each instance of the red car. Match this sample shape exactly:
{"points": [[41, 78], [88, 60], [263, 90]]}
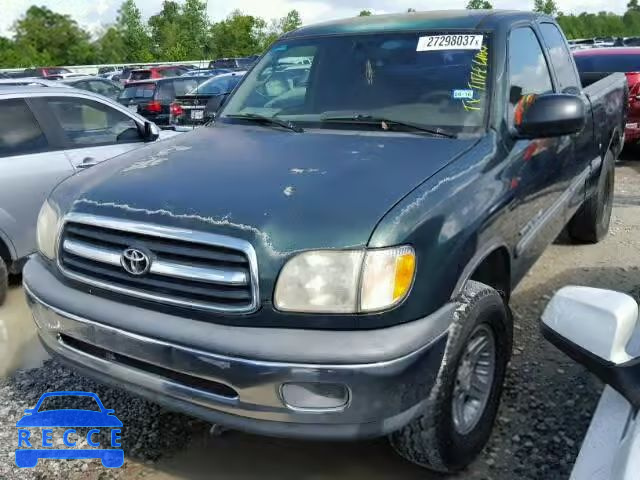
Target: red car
{"points": [[596, 63], [153, 73]]}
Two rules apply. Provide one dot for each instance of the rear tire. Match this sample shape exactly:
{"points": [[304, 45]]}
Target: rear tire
{"points": [[441, 439], [591, 222], [4, 281]]}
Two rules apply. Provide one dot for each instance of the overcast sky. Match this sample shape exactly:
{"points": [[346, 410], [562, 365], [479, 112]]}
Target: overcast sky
{"points": [[92, 14]]}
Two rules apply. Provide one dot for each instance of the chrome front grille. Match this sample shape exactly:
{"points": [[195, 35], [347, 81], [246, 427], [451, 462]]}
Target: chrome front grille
{"points": [[186, 268]]}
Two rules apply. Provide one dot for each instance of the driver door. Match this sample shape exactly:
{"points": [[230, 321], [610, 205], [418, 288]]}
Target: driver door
{"points": [[93, 131]]}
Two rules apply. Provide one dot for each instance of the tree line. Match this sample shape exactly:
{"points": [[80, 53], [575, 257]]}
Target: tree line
{"points": [[183, 31], [180, 31], [585, 25]]}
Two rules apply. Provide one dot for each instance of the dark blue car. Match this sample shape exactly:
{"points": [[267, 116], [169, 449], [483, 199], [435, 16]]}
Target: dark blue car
{"points": [[28, 457]]}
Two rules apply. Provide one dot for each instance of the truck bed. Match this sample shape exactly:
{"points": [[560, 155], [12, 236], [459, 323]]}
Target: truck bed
{"points": [[608, 97]]}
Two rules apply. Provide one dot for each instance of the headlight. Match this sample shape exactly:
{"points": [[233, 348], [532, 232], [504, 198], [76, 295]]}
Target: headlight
{"points": [[47, 230], [352, 281]]}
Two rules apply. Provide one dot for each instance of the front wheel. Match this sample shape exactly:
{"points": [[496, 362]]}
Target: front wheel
{"points": [[462, 407]]}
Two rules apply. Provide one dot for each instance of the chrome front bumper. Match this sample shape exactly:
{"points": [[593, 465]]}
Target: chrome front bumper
{"points": [[383, 396]]}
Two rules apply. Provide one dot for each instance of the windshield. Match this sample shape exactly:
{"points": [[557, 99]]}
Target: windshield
{"points": [[430, 79], [608, 63], [217, 85]]}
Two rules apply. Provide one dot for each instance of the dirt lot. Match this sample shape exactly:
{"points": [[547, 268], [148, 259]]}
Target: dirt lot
{"points": [[544, 414]]}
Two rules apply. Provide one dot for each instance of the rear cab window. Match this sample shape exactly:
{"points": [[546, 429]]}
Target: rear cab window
{"points": [[20, 133]]}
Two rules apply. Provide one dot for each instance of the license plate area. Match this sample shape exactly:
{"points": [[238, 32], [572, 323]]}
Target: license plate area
{"points": [[197, 114]]}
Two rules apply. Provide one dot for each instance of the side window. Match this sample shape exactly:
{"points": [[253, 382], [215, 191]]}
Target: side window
{"points": [[528, 70], [20, 133], [560, 59], [90, 123]]}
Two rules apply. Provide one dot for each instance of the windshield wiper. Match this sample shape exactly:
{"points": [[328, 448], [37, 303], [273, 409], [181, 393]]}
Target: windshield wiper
{"points": [[269, 120], [385, 123]]}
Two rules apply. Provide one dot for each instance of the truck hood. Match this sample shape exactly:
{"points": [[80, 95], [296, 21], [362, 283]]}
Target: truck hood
{"points": [[280, 190]]}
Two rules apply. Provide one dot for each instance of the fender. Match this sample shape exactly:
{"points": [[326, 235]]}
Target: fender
{"points": [[480, 256]]}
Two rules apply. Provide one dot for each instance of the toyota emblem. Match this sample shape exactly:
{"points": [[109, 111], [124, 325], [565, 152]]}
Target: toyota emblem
{"points": [[136, 262]]}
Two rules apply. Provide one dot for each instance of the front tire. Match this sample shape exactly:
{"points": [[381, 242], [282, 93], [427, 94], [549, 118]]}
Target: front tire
{"points": [[462, 406], [4, 281], [591, 223]]}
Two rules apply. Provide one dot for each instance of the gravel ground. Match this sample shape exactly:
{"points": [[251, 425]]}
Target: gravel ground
{"points": [[544, 415]]}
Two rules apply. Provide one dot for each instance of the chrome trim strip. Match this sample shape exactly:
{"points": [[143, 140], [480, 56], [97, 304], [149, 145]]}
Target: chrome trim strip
{"points": [[203, 274], [552, 211], [174, 233], [158, 266], [102, 255]]}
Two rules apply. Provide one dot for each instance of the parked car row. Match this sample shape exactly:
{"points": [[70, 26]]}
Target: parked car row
{"points": [[98, 85], [599, 42], [364, 203], [238, 63], [153, 98], [200, 105]]}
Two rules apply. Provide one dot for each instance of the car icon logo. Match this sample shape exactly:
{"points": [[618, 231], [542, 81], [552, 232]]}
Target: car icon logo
{"points": [[135, 261], [31, 447]]}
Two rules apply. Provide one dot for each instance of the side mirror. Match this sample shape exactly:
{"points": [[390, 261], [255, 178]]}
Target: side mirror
{"points": [[552, 115], [594, 328], [151, 132]]}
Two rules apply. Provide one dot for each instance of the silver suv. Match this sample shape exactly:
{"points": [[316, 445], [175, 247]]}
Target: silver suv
{"points": [[46, 135]]}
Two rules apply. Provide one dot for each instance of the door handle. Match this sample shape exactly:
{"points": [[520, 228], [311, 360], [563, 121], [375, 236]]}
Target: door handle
{"points": [[88, 162]]}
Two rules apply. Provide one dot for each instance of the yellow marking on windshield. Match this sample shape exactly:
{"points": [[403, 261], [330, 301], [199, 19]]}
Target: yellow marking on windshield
{"points": [[478, 79]]}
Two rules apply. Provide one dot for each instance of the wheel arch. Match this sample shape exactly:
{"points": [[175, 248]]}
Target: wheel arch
{"points": [[6, 249], [491, 266], [615, 144]]}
